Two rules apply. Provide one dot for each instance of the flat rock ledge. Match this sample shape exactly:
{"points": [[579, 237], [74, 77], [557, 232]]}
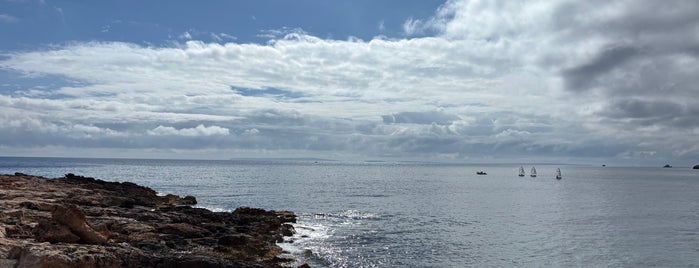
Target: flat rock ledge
{"points": [[77, 221]]}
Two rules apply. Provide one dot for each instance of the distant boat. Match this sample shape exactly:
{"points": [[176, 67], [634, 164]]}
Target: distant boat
{"points": [[481, 173], [533, 173], [521, 171], [667, 166], [558, 174]]}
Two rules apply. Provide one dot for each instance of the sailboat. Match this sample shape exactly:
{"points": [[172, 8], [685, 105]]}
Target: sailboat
{"points": [[533, 172], [558, 174], [521, 171]]}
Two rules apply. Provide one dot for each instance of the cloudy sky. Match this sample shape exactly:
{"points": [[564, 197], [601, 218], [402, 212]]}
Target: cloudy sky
{"points": [[530, 81]]}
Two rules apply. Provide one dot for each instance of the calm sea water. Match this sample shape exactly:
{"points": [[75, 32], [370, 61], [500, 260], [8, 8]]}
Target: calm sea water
{"points": [[438, 215]]}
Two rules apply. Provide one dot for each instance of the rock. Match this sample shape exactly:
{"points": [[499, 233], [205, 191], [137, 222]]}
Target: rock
{"points": [[13, 216], [8, 263], [48, 231], [71, 217], [234, 240], [93, 223], [183, 230], [287, 216]]}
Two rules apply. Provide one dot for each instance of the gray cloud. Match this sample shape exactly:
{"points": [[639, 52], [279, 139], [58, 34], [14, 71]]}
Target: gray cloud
{"points": [[653, 112], [420, 118], [582, 77]]}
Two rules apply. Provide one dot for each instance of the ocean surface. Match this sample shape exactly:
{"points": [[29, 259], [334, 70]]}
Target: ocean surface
{"points": [[437, 215]]}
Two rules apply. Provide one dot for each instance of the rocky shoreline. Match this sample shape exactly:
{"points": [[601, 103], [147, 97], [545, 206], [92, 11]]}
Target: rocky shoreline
{"points": [[77, 221]]}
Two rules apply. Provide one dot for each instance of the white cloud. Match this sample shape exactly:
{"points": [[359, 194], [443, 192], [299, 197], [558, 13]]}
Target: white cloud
{"points": [[221, 37], [199, 130], [251, 132], [412, 26], [186, 36]]}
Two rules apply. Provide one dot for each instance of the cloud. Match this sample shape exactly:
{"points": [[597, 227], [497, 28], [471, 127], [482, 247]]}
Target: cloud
{"points": [[8, 18], [580, 77], [186, 36], [199, 130], [251, 132], [413, 26], [220, 37], [382, 26], [535, 79], [420, 118]]}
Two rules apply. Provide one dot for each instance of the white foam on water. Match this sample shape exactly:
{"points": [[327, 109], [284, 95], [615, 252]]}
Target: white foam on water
{"points": [[213, 209], [316, 242], [306, 244]]}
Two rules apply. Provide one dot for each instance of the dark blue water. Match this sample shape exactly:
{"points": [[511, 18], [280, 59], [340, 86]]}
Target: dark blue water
{"points": [[438, 215]]}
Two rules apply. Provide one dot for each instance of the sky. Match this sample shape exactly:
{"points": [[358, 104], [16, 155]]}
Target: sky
{"points": [[551, 81]]}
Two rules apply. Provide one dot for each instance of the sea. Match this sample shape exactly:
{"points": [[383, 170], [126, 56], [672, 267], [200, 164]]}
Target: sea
{"points": [[414, 214]]}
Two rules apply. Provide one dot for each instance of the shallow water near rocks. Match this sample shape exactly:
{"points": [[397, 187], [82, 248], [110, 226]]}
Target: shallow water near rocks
{"points": [[437, 215]]}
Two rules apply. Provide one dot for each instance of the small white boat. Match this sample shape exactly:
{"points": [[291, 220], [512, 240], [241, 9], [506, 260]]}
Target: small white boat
{"points": [[521, 171], [558, 174], [533, 172]]}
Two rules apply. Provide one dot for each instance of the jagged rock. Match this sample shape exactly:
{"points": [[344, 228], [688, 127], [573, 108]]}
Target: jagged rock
{"points": [[233, 240], [49, 231], [71, 217], [94, 223], [183, 230]]}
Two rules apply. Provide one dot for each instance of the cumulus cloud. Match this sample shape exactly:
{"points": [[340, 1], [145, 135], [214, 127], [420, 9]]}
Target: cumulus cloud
{"points": [[479, 78]]}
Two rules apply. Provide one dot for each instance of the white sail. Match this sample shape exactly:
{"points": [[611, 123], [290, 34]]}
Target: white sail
{"points": [[533, 172], [558, 174]]}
